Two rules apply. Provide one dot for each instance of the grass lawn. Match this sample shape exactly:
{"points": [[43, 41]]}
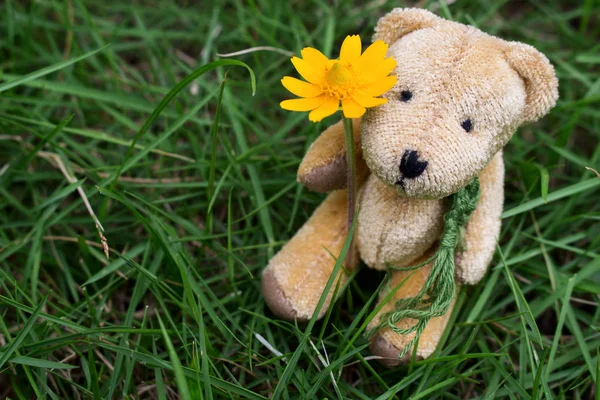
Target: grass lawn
{"points": [[195, 189]]}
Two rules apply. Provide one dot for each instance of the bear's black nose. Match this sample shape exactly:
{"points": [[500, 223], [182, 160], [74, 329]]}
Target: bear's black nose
{"points": [[410, 166]]}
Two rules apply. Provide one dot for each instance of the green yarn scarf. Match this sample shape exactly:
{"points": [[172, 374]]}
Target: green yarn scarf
{"points": [[437, 293]]}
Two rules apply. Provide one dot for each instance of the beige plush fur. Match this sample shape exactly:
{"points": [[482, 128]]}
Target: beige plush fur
{"points": [[395, 230], [468, 94], [297, 274]]}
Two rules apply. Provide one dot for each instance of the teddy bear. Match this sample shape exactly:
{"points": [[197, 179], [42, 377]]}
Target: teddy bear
{"points": [[459, 97]]}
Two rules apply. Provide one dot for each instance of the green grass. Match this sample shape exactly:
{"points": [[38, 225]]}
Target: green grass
{"points": [[193, 206]]}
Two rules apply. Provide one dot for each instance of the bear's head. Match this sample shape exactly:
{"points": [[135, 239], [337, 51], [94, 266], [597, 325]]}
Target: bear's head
{"points": [[459, 97]]}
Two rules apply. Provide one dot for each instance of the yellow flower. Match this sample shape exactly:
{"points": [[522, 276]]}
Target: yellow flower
{"points": [[355, 80]]}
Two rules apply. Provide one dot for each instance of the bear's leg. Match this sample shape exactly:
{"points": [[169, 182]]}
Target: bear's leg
{"points": [[388, 344], [296, 276]]}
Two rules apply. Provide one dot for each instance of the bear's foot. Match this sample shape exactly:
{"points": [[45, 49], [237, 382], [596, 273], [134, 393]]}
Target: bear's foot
{"points": [[296, 276], [388, 344]]}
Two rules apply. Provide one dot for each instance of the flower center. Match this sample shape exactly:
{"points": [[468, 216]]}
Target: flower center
{"points": [[338, 75], [340, 81]]}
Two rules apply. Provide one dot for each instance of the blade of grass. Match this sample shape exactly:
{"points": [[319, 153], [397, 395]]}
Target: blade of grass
{"points": [[39, 363], [213, 155], [568, 191], [169, 96], [182, 383], [48, 70], [291, 367], [14, 345], [19, 164]]}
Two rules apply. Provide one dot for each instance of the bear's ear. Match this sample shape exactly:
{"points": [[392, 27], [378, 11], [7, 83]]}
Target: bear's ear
{"points": [[402, 21], [541, 84]]}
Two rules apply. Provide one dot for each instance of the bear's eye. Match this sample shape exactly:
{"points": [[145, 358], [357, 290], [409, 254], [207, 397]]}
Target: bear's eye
{"points": [[467, 125], [405, 95]]}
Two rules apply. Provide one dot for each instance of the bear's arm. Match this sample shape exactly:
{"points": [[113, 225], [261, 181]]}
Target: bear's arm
{"points": [[323, 168], [483, 228]]}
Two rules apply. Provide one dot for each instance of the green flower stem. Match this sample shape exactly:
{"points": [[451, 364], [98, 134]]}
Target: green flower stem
{"points": [[351, 184]]}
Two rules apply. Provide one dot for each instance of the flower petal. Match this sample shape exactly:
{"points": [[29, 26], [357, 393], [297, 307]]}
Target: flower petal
{"points": [[352, 109], [373, 60], [314, 57], [351, 48], [301, 88], [310, 72], [383, 67], [376, 70], [329, 107], [303, 104], [379, 86], [368, 101], [377, 50]]}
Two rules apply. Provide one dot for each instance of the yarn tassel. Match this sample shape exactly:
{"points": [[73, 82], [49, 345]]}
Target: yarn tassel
{"points": [[436, 296]]}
